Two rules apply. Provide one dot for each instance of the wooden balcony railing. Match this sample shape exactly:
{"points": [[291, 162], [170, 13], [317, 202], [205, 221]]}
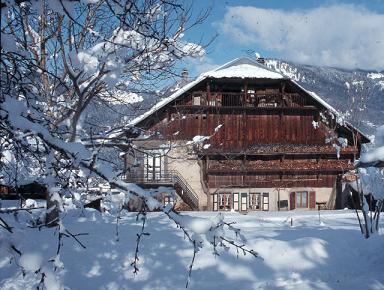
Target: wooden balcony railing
{"points": [[279, 166], [285, 149], [271, 99]]}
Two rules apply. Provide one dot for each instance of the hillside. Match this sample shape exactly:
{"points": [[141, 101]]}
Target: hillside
{"points": [[358, 92]]}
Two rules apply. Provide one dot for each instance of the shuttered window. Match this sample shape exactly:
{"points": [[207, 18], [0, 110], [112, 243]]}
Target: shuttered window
{"points": [[301, 199]]}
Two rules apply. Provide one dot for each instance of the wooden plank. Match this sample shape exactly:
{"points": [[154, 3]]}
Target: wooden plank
{"points": [[262, 129], [287, 131]]}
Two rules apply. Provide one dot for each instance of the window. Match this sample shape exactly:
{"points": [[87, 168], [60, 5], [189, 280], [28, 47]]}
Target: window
{"points": [[243, 201], [168, 199], [197, 101], [225, 201], [254, 201], [214, 201], [265, 201], [236, 201], [301, 199], [153, 166]]}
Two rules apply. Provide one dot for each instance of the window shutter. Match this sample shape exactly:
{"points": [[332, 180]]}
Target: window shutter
{"points": [[292, 200], [312, 199]]}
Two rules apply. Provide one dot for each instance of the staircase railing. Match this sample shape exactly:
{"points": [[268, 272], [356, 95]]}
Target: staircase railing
{"points": [[174, 178], [187, 192]]}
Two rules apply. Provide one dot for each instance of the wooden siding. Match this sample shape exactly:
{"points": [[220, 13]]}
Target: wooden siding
{"points": [[240, 131], [271, 180]]}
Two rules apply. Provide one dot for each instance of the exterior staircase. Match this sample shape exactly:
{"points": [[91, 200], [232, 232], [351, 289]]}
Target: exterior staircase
{"points": [[171, 178], [184, 190]]}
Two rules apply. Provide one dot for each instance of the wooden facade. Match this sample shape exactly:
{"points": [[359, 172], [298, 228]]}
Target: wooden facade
{"points": [[259, 133]]}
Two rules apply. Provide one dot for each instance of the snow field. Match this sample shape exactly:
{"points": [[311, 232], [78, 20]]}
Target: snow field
{"points": [[310, 254]]}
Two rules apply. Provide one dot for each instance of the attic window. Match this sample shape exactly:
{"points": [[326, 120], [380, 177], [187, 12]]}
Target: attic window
{"points": [[197, 101]]}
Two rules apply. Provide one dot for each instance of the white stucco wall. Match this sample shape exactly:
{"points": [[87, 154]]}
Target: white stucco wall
{"points": [[179, 157], [188, 167]]}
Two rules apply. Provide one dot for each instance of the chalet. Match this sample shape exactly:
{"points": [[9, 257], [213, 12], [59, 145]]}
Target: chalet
{"points": [[245, 138]]}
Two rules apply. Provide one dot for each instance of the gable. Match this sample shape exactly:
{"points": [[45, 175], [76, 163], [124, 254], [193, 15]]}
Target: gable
{"points": [[238, 68], [247, 75]]}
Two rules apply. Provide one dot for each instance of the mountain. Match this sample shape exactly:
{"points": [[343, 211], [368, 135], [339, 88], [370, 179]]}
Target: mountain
{"points": [[358, 93]]}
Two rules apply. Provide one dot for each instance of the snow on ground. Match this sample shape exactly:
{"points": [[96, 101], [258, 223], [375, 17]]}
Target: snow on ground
{"points": [[311, 254]]}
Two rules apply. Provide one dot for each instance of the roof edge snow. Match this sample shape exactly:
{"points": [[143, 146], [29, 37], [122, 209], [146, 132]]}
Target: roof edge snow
{"points": [[166, 100], [331, 109], [244, 68]]}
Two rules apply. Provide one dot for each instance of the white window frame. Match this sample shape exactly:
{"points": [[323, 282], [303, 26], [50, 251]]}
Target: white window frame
{"points": [[265, 201], [236, 202], [154, 165]]}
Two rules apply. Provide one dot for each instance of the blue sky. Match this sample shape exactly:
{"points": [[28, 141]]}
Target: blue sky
{"points": [[345, 34]]}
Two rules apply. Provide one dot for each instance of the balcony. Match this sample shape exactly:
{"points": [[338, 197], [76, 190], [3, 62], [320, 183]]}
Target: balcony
{"points": [[257, 166], [260, 99], [285, 149]]}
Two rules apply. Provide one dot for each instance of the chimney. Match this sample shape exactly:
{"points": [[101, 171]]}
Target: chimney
{"points": [[184, 76], [259, 59]]}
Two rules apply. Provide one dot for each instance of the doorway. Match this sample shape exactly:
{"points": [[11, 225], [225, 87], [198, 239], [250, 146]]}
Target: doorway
{"points": [[153, 166]]}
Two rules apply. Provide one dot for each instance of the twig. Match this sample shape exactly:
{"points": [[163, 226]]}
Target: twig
{"points": [[4, 225], [16, 250], [76, 239], [11, 210], [242, 248], [143, 214], [117, 225], [195, 250]]}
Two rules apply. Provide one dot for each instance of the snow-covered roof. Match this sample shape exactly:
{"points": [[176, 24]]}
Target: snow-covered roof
{"points": [[237, 68], [165, 101], [244, 68]]}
